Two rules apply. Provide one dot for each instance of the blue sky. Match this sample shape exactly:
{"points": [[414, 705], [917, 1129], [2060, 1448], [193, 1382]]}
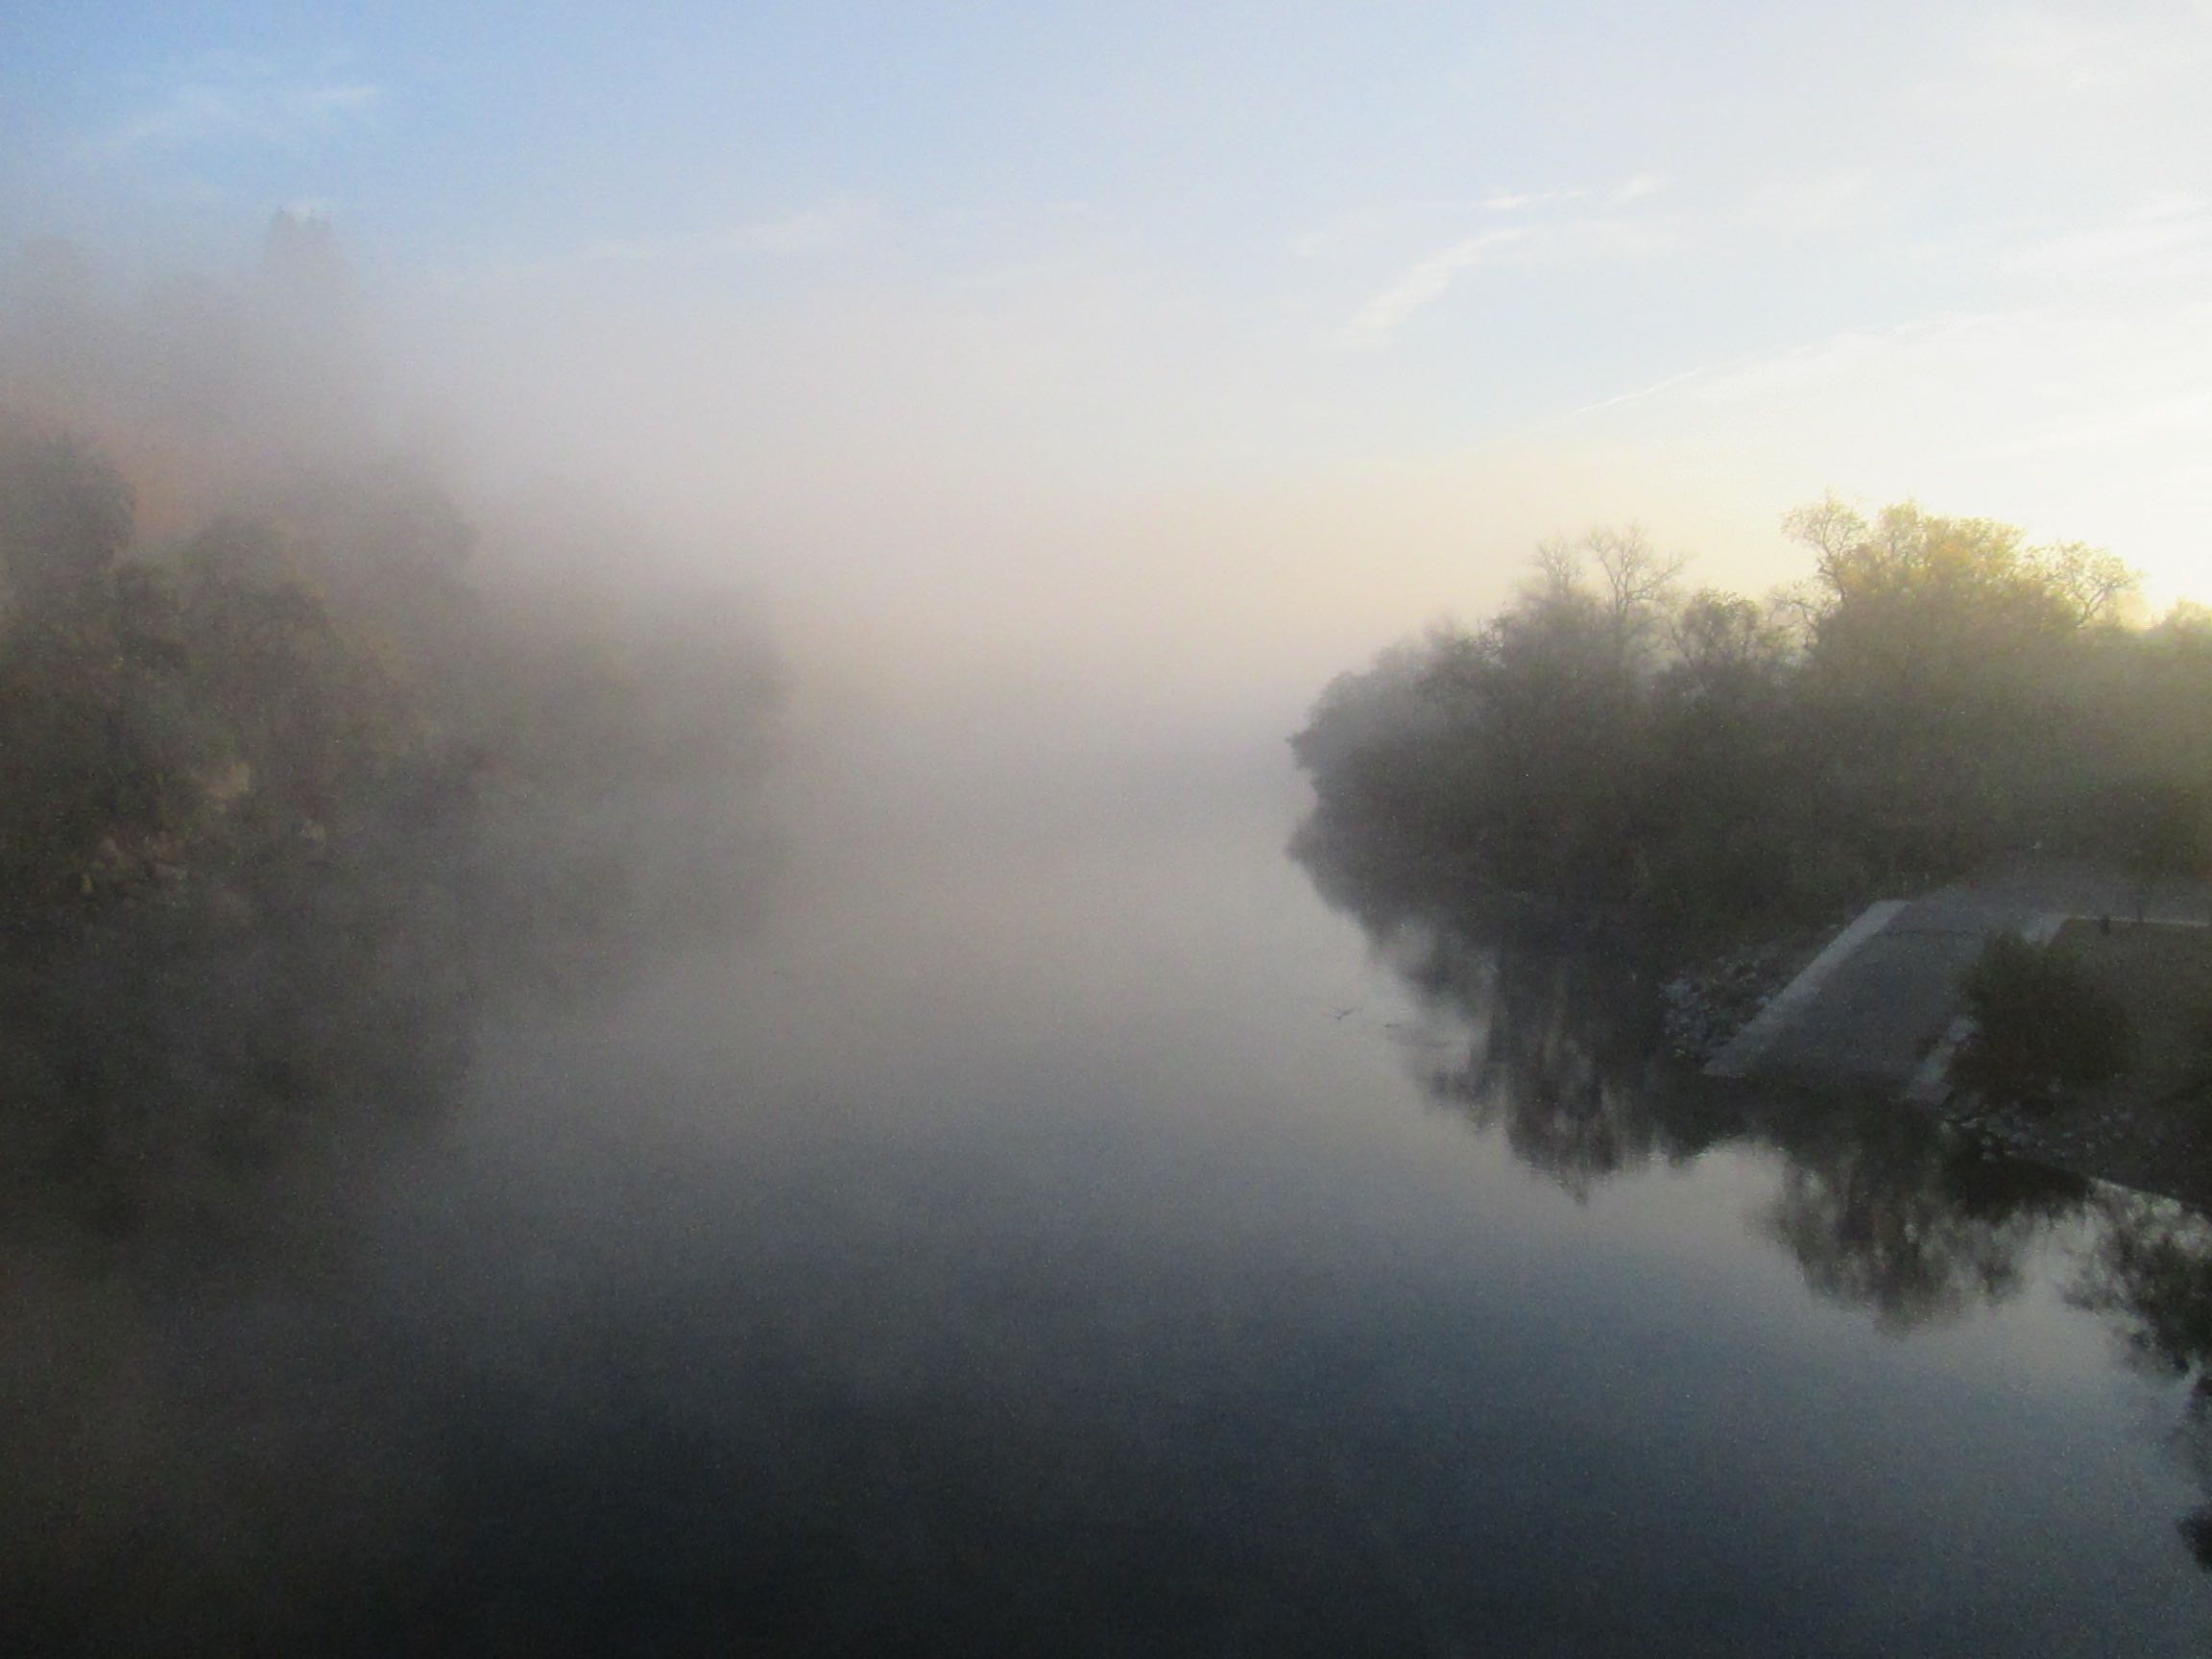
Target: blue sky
{"points": [[1466, 273]]}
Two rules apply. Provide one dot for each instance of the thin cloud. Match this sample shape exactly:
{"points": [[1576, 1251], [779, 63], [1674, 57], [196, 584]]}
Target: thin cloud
{"points": [[1812, 206], [1637, 188], [1847, 354], [1394, 219], [1381, 316], [2073, 56], [2169, 236], [189, 116], [328, 105], [1639, 393], [2092, 378], [797, 232], [1534, 238], [1544, 244], [230, 98], [801, 233], [2068, 417], [1376, 222], [1760, 373], [1521, 200]]}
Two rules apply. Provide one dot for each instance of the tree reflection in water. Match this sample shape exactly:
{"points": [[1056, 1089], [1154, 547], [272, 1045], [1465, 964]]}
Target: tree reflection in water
{"points": [[1882, 1211], [204, 1095], [1547, 1029]]}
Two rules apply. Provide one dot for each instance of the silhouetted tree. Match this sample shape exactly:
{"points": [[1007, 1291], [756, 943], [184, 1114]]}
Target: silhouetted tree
{"points": [[1940, 690]]}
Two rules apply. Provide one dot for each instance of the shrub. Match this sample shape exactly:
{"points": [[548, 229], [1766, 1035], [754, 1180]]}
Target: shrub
{"points": [[2042, 1023]]}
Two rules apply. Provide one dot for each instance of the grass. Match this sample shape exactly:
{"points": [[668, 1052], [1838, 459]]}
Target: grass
{"points": [[2162, 974]]}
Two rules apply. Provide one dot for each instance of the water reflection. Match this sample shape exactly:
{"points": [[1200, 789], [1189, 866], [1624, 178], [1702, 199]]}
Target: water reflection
{"points": [[166, 1074], [1547, 1031], [2150, 1270], [675, 1340], [1882, 1211], [198, 1100], [213, 1436]]}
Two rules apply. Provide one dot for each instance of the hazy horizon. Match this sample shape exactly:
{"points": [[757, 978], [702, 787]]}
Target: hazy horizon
{"points": [[713, 937], [1204, 350]]}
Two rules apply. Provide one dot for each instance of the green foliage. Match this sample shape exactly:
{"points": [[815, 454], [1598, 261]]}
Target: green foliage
{"points": [[1941, 692], [89, 753], [281, 804], [2041, 1022]]}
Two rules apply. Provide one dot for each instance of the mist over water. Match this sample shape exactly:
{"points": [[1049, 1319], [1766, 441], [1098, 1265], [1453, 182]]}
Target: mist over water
{"points": [[1010, 1245], [667, 984]]}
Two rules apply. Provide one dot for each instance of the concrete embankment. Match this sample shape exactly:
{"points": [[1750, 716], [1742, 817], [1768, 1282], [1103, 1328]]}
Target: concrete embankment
{"points": [[1879, 1008]]}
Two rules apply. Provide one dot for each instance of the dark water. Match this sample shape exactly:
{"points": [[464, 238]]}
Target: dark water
{"points": [[1074, 1235]]}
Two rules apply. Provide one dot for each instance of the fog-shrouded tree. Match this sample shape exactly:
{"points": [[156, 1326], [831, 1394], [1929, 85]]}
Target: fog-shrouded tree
{"points": [[65, 517], [284, 799], [1940, 690]]}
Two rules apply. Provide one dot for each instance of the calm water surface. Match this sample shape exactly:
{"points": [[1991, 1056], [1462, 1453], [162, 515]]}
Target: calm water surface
{"points": [[1060, 1231]]}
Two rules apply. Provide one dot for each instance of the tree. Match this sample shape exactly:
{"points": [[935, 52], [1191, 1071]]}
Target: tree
{"points": [[1724, 645], [1942, 676], [1941, 691], [1630, 600], [2096, 585], [1913, 588], [2041, 1022], [65, 516], [1636, 584]]}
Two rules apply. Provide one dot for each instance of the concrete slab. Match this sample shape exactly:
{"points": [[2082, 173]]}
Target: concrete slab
{"points": [[1749, 1046], [1872, 1008], [1879, 1007]]}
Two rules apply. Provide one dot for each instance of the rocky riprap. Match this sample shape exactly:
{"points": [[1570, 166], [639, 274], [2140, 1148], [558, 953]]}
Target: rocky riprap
{"points": [[1705, 1006], [2152, 1149]]}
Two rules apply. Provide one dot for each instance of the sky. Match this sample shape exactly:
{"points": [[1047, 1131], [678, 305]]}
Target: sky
{"points": [[1123, 329]]}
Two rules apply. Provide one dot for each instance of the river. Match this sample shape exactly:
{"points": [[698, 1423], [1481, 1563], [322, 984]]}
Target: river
{"points": [[1054, 1228]]}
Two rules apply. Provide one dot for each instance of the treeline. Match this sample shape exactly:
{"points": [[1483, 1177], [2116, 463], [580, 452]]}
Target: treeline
{"points": [[288, 801], [1939, 693]]}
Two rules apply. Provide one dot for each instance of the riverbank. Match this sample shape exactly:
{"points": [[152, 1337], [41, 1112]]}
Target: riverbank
{"points": [[1889, 1014], [2151, 1125]]}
